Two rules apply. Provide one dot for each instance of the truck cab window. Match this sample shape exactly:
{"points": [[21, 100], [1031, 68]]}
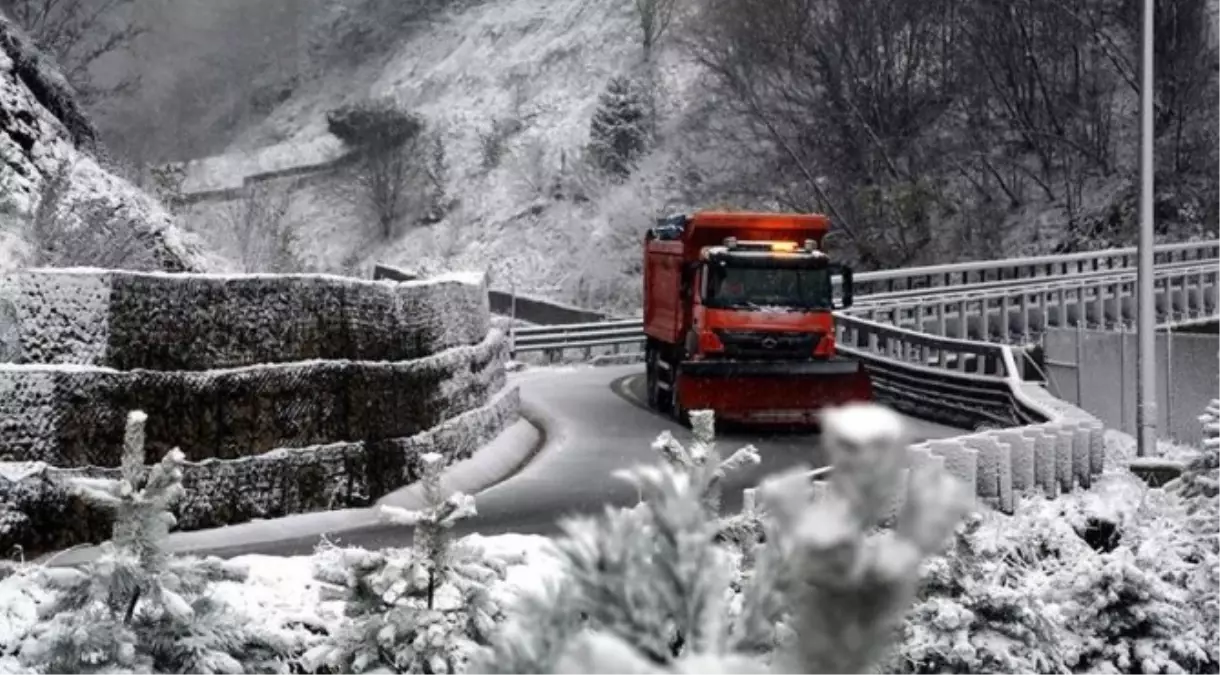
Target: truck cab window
{"points": [[750, 287]]}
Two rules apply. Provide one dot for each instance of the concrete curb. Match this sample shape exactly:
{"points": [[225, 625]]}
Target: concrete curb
{"points": [[506, 455]]}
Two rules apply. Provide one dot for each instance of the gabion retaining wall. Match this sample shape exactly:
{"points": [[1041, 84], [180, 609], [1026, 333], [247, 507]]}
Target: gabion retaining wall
{"points": [[154, 321], [39, 514], [74, 415], [287, 394]]}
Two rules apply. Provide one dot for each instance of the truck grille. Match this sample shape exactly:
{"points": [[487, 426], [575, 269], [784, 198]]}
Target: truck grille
{"points": [[767, 345]]}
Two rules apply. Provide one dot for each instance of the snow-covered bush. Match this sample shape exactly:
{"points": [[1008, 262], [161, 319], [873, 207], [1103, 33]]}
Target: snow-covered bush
{"points": [[648, 589], [416, 612], [136, 609], [980, 611], [1118, 578]]}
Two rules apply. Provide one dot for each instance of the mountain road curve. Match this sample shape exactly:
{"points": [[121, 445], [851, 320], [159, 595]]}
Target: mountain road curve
{"points": [[595, 422]]}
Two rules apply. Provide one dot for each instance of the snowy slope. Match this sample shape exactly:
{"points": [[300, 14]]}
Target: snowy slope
{"points": [[539, 64], [40, 127]]}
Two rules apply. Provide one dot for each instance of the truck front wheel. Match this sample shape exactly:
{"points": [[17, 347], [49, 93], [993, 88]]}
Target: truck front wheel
{"points": [[674, 404], [651, 392]]}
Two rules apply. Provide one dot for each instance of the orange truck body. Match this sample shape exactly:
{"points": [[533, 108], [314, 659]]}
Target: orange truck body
{"points": [[738, 318]]}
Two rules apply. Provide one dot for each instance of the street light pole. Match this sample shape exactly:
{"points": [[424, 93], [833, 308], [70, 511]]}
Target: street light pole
{"points": [[1145, 378]]}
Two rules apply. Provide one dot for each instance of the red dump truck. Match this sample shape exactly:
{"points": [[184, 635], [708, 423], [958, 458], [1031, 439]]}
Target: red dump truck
{"points": [[738, 318]]}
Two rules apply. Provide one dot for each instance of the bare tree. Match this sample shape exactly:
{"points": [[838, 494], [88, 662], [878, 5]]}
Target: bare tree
{"points": [[388, 178], [845, 93], [263, 237], [655, 17], [79, 33]]}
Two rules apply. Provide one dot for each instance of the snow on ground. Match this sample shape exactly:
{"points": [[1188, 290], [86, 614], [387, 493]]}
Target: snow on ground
{"points": [[1121, 449], [281, 588]]}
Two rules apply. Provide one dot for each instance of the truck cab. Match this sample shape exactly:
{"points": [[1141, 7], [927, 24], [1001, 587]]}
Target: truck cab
{"points": [[738, 317], [766, 300]]}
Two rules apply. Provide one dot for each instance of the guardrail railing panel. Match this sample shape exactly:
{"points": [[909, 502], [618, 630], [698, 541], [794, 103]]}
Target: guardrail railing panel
{"points": [[1014, 312], [958, 274]]}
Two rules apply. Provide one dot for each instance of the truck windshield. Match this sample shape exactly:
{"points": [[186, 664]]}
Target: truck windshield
{"points": [[759, 287]]}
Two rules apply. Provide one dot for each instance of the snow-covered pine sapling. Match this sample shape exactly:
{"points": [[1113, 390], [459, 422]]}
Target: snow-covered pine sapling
{"points": [[701, 461], [650, 576], [849, 584], [136, 608], [432, 523], [651, 581], [399, 618]]}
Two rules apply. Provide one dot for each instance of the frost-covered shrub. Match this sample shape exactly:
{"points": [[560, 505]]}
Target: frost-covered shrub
{"points": [[648, 589], [1123, 616], [980, 611], [415, 612], [1200, 482], [371, 124], [137, 609], [1113, 579]]}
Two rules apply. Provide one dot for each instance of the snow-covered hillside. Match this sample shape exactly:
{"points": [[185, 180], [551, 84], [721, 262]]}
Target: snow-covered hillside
{"points": [[527, 75], [537, 66], [42, 130]]}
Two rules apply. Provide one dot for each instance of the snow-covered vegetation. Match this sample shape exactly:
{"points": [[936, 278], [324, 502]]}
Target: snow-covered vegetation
{"points": [[1118, 578], [555, 130], [60, 202]]}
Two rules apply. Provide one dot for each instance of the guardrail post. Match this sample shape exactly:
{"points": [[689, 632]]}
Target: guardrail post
{"points": [[1023, 455], [1063, 458], [1024, 309], [1061, 312], [984, 320], [1044, 460], [1215, 292], [1080, 456], [1005, 320], [942, 325], [963, 321]]}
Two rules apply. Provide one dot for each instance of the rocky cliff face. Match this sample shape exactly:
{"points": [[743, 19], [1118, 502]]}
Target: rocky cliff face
{"points": [[43, 128]]}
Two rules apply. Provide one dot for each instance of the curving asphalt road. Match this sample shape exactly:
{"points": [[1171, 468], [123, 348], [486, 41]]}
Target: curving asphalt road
{"points": [[595, 422]]}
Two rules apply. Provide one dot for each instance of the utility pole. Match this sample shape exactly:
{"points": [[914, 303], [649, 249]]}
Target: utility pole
{"points": [[1145, 376]]}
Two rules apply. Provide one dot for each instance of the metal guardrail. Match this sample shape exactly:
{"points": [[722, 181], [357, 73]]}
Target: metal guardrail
{"points": [[958, 274], [948, 293], [903, 308], [1096, 300]]}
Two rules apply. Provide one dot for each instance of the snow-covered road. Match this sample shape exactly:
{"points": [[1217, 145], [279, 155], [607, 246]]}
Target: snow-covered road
{"points": [[594, 424]]}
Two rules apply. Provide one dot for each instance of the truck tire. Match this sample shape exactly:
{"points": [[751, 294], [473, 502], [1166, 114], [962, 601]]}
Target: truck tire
{"points": [[674, 406], [651, 391]]}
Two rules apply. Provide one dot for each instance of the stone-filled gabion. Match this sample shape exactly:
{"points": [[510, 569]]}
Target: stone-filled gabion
{"points": [[72, 416], [38, 513], [171, 322], [287, 394]]}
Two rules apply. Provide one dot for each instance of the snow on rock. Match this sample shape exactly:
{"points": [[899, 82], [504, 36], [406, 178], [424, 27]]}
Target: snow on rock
{"points": [[116, 319], [42, 126]]}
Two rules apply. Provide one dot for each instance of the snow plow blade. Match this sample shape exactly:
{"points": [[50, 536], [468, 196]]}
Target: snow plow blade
{"points": [[772, 393]]}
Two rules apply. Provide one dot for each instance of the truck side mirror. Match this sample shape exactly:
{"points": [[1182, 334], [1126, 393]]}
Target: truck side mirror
{"points": [[847, 289]]}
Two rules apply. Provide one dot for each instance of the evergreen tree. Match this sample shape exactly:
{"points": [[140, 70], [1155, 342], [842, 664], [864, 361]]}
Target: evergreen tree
{"points": [[137, 609], [398, 619], [645, 588], [1201, 480], [618, 132]]}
